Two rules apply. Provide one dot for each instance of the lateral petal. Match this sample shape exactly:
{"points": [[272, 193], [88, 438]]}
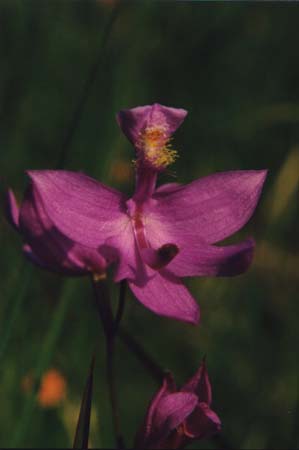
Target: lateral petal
{"points": [[49, 248], [198, 259], [83, 209], [210, 209]]}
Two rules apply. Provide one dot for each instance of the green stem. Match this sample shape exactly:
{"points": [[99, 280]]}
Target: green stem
{"points": [[294, 433]]}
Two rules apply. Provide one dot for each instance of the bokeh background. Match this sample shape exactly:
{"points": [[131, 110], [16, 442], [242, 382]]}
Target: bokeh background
{"points": [[235, 67]]}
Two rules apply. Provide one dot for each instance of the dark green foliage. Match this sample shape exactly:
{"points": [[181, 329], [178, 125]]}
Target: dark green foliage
{"points": [[235, 67]]}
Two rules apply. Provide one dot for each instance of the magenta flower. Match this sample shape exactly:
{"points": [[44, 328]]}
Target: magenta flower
{"points": [[44, 245], [175, 417], [160, 234]]}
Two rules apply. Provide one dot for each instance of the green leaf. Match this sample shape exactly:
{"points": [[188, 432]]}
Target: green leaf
{"points": [[82, 430]]}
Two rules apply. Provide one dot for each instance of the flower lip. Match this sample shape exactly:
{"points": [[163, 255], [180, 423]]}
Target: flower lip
{"points": [[134, 120], [154, 149], [149, 128]]}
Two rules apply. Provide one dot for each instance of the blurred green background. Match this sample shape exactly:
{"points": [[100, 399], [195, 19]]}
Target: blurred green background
{"points": [[235, 68]]}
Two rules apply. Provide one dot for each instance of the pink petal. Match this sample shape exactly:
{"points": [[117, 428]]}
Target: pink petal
{"points": [[200, 385], [210, 209], [202, 423], [170, 412], [167, 388], [83, 209], [133, 121], [47, 247], [12, 209], [165, 295], [199, 259]]}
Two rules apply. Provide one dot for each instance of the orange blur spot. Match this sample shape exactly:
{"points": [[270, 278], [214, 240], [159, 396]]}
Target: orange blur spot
{"points": [[52, 389]]}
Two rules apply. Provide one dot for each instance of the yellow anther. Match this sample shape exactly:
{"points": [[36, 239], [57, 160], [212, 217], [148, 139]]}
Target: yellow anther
{"points": [[154, 143]]}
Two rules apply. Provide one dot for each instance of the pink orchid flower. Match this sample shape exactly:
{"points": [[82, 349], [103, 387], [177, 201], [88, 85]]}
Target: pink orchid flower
{"points": [[160, 234], [176, 417]]}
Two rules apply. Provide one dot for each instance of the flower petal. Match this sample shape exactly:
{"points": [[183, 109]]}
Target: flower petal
{"points": [[12, 209], [200, 385], [199, 259], [210, 209], [164, 294], [202, 423], [83, 209], [133, 121], [144, 432], [47, 247], [170, 412]]}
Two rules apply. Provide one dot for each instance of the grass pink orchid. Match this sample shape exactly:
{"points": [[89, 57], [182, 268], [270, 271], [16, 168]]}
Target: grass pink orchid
{"points": [[160, 234], [176, 417]]}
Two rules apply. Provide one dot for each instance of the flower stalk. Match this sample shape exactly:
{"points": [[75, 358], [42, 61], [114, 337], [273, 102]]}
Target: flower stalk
{"points": [[121, 306], [103, 304], [154, 369]]}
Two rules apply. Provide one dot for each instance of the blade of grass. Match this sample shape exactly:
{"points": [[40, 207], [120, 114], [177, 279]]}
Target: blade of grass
{"points": [[44, 360], [82, 430], [23, 283], [294, 432], [67, 141]]}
